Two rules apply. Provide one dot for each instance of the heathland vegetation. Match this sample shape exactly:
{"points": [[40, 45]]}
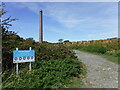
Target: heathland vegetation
{"points": [[54, 66], [108, 48]]}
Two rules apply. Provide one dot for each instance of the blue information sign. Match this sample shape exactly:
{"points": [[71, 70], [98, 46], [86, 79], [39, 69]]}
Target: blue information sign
{"points": [[20, 56]]}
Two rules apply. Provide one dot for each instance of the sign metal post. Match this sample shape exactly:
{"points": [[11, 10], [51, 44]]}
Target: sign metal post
{"points": [[30, 63], [17, 66]]}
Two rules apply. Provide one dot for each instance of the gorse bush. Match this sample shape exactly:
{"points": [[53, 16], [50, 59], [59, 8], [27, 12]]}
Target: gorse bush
{"points": [[52, 51], [114, 53], [102, 49], [53, 73]]}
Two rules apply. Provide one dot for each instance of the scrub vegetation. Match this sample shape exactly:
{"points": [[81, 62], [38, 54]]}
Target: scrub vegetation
{"points": [[54, 66]]}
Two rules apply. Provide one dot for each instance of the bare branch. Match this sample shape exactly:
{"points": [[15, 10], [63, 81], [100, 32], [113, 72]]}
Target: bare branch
{"points": [[6, 22]]}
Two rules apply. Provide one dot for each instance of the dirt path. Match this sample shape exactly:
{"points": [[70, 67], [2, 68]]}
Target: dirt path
{"points": [[101, 73]]}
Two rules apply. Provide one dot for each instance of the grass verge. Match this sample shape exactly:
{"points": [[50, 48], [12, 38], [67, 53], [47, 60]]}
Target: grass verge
{"points": [[106, 56]]}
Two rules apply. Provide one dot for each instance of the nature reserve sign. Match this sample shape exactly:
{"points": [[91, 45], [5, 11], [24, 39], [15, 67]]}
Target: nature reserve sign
{"points": [[20, 56]]}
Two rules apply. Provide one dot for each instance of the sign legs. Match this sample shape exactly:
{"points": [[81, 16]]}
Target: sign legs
{"points": [[17, 66], [17, 69], [30, 62], [30, 66]]}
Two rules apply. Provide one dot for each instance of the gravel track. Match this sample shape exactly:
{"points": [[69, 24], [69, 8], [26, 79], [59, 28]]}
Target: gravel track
{"points": [[101, 73]]}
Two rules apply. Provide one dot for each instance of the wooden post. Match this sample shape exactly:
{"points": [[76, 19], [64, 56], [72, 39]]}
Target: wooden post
{"points": [[30, 62], [17, 66]]}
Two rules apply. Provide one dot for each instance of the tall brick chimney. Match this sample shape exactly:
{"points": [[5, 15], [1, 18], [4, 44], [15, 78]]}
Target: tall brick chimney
{"points": [[41, 29]]}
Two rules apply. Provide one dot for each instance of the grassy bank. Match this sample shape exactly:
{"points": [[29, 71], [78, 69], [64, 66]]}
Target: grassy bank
{"points": [[106, 56], [110, 57]]}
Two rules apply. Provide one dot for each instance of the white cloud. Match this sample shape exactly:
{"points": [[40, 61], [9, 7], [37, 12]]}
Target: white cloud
{"points": [[65, 15], [58, 12], [102, 35], [70, 16], [54, 29], [34, 7]]}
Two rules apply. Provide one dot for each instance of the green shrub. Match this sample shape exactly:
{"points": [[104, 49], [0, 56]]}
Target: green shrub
{"points": [[53, 73], [114, 53], [55, 51], [102, 49]]}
